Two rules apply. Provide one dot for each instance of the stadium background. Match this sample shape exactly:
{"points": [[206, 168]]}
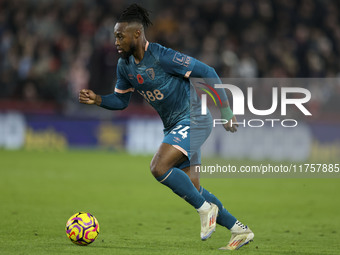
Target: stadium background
{"points": [[58, 157], [49, 50]]}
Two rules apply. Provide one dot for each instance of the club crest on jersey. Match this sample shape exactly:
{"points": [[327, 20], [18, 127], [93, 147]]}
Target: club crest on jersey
{"points": [[140, 79], [151, 73]]}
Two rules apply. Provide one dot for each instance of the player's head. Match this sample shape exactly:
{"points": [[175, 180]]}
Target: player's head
{"points": [[129, 29]]}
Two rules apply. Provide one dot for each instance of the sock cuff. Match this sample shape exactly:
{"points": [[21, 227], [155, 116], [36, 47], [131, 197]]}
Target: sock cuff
{"points": [[204, 206], [201, 190], [164, 176]]}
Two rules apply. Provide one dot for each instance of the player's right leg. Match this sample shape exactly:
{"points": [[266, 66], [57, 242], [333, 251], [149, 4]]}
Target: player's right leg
{"points": [[164, 170], [240, 234]]}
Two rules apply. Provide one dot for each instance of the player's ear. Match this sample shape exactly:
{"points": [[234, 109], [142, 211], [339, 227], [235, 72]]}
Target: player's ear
{"points": [[137, 33]]}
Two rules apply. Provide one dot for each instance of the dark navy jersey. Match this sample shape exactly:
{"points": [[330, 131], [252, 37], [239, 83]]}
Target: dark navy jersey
{"points": [[162, 79]]}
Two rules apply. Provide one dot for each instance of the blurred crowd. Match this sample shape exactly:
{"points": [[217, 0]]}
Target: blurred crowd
{"points": [[49, 50]]}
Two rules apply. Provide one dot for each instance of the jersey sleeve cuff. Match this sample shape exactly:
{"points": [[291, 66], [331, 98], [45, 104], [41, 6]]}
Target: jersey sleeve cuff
{"points": [[123, 91]]}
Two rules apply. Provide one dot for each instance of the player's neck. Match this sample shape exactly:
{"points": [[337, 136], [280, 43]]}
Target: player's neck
{"points": [[140, 51]]}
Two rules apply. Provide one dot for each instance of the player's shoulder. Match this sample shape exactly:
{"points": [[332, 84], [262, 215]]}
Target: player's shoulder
{"points": [[164, 54], [160, 51], [155, 49], [122, 67], [122, 62]]}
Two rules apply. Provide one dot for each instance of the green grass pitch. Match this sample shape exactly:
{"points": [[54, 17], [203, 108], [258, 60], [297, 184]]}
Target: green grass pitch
{"points": [[39, 191]]}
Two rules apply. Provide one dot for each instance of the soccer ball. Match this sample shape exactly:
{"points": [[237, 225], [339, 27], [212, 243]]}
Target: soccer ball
{"points": [[82, 228]]}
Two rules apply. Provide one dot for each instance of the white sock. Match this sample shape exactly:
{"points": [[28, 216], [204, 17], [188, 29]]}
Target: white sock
{"points": [[204, 207]]}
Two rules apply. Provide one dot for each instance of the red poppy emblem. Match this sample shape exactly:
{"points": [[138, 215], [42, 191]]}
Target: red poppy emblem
{"points": [[140, 79]]}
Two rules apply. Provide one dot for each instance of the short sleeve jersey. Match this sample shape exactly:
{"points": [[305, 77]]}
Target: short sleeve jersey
{"points": [[162, 79]]}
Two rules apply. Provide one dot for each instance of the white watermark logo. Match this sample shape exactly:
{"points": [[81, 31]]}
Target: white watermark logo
{"points": [[239, 105]]}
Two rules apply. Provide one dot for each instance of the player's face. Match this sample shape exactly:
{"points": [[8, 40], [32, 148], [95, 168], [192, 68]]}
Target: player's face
{"points": [[125, 40]]}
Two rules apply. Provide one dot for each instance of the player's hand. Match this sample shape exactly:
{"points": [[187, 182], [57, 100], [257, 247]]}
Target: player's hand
{"points": [[231, 125], [87, 96]]}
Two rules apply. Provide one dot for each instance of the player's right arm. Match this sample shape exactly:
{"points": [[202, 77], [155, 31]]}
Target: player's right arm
{"points": [[118, 100], [114, 101]]}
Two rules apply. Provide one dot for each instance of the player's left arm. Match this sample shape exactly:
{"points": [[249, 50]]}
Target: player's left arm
{"points": [[185, 66], [201, 70]]}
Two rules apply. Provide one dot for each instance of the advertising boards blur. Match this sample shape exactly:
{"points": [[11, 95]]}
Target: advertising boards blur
{"points": [[144, 135]]}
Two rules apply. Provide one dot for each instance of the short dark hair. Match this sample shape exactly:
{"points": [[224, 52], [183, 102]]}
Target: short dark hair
{"points": [[135, 13]]}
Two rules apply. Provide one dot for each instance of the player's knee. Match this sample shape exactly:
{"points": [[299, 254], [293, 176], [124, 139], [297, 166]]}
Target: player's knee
{"points": [[155, 169]]}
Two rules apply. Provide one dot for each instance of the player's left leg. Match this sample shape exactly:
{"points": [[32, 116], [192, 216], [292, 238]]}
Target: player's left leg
{"points": [[240, 234]]}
